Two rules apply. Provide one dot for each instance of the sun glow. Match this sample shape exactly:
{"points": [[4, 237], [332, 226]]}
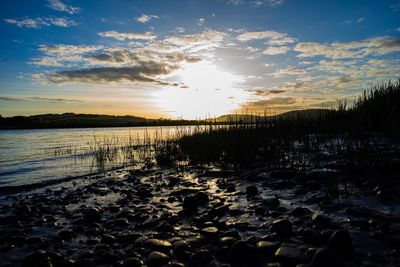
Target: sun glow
{"points": [[210, 92]]}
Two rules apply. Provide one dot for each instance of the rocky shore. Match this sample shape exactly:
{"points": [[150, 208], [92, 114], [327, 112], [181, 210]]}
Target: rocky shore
{"points": [[202, 216]]}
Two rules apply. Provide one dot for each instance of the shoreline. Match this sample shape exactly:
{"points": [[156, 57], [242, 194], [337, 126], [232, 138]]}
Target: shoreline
{"points": [[198, 216]]}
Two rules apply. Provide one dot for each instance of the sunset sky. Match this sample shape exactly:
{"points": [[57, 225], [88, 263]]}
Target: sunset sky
{"points": [[191, 59]]}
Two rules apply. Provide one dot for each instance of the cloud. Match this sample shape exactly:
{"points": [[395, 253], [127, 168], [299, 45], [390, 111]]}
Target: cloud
{"points": [[395, 7], [259, 91], [38, 22], [288, 71], [145, 18], [201, 21], [205, 40], [275, 50], [146, 72], [180, 29], [357, 49], [41, 99], [256, 3], [273, 103], [249, 36], [122, 36], [60, 6]]}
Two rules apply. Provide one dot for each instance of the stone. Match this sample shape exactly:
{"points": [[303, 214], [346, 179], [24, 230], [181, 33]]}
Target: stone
{"points": [[251, 190], [300, 212], [230, 188], [320, 220], [324, 258], [272, 202], [289, 255], [210, 231], [267, 248], [242, 254], [341, 243], [158, 244], [200, 258], [92, 214], [157, 259], [133, 262], [282, 227]]}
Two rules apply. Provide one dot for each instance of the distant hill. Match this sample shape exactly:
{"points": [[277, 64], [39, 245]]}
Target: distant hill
{"points": [[72, 120], [307, 113]]}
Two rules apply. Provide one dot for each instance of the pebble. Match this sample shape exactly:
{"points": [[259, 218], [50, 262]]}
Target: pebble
{"points": [[157, 259], [282, 227]]}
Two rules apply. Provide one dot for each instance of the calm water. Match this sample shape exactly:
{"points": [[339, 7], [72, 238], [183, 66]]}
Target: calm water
{"points": [[32, 156]]}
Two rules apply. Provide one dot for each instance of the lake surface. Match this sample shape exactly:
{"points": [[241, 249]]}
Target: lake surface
{"points": [[33, 156]]}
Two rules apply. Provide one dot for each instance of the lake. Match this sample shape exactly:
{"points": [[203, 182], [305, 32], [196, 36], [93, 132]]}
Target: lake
{"points": [[39, 155]]}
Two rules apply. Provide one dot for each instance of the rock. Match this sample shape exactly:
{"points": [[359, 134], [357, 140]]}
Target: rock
{"points": [[210, 232], [320, 220], [242, 254], [108, 239], [200, 258], [92, 215], [227, 241], [157, 259], [158, 245], [341, 243], [324, 258], [251, 190], [267, 248], [272, 202], [289, 255], [300, 212], [132, 262], [282, 227], [230, 188], [191, 203], [42, 258]]}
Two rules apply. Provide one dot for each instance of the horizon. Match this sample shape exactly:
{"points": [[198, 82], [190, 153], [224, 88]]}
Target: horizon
{"points": [[192, 59]]}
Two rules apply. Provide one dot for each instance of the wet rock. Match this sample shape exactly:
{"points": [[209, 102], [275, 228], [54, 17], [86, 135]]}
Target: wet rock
{"points": [[320, 220], [211, 232], [267, 248], [300, 212], [42, 258], [251, 190], [157, 259], [282, 227], [158, 245], [132, 262], [181, 250], [272, 202], [289, 255], [92, 214], [324, 258], [65, 234], [191, 203], [227, 241], [108, 239], [242, 254], [230, 188], [200, 258], [341, 243]]}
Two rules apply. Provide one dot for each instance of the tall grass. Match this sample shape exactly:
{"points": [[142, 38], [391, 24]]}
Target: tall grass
{"points": [[352, 136]]}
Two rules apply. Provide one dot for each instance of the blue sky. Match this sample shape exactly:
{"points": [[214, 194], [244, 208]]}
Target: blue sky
{"points": [[164, 58]]}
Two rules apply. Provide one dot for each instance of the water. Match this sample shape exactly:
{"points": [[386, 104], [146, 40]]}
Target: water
{"points": [[33, 156]]}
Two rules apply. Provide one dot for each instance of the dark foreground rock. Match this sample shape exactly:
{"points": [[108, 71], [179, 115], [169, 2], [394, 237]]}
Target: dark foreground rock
{"points": [[195, 217]]}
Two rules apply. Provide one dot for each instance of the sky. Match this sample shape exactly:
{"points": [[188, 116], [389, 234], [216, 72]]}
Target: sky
{"points": [[192, 59]]}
